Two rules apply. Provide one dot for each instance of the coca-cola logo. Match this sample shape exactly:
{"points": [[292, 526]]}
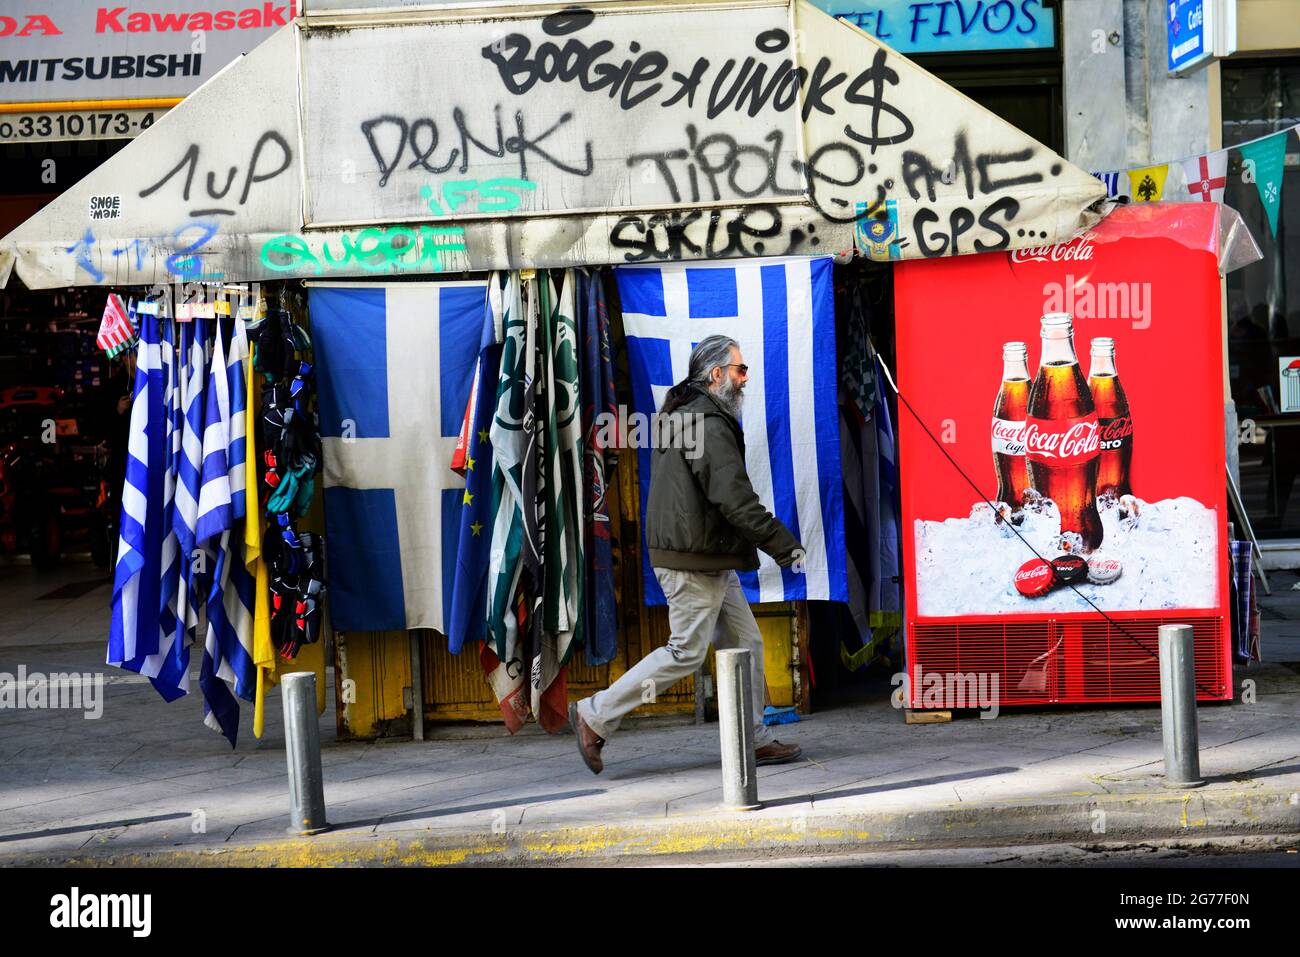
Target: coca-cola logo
{"points": [[1114, 431], [1034, 572], [1063, 441], [1078, 250], [1008, 436], [1009, 431]]}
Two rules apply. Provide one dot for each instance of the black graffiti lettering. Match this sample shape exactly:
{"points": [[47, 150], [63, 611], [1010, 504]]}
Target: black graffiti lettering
{"points": [[923, 216], [522, 145], [687, 85], [661, 161], [466, 137], [758, 95], [916, 166], [960, 220], [877, 75], [422, 155], [747, 231], [521, 66], [388, 137], [643, 248], [719, 106], [386, 167], [286, 157], [819, 87], [675, 226], [767, 164], [988, 185], [740, 228], [189, 162], [510, 55], [748, 170], [820, 174], [772, 41], [191, 159], [699, 153], [212, 183], [789, 89], [648, 67], [569, 20], [1008, 206]]}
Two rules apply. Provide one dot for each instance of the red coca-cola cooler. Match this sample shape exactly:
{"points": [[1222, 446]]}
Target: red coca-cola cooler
{"points": [[1063, 492]]}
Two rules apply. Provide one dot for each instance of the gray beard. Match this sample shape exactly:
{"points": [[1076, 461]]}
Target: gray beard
{"points": [[731, 396]]}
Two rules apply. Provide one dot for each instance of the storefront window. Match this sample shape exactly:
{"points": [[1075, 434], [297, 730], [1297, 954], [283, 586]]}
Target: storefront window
{"points": [[1260, 98]]}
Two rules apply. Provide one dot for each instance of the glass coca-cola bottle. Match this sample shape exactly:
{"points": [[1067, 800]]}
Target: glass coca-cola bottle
{"points": [[1062, 435], [1008, 430], [1114, 420]]}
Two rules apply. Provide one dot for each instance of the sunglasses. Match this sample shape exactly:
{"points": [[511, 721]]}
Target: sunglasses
{"points": [[744, 369]]}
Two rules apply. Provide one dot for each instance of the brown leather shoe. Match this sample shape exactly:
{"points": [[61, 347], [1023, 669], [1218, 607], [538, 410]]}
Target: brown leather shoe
{"points": [[776, 753], [589, 742]]}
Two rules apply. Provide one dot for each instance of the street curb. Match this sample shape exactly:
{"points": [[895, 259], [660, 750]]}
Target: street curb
{"points": [[1073, 820]]}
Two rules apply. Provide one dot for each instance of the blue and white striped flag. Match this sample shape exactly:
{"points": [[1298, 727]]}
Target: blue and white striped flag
{"points": [[782, 312], [228, 645], [1112, 181], [137, 598], [394, 365], [172, 677]]}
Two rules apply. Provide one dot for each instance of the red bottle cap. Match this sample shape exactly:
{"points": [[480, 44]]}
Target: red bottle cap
{"points": [[1035, 578], [1070, 569]]}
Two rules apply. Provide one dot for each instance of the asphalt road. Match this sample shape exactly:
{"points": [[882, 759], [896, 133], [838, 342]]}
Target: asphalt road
{"points": [[1281, 851]]}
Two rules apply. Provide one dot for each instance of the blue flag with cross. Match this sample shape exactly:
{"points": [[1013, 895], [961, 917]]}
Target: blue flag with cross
{"points": [[782, 313], [394, 367]]}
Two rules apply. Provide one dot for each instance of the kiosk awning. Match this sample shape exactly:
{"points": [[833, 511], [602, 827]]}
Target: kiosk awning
{"points": [[428, 139]]}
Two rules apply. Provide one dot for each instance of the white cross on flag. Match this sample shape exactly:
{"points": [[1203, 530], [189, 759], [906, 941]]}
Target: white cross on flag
{"points": [[394, 364], [1207, 176]]}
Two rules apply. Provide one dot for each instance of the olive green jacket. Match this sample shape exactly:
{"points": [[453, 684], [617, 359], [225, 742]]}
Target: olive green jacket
{"points": [[702, 513]]}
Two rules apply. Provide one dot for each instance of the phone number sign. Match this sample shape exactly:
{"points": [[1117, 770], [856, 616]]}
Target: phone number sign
{"points": [[75, 125]]}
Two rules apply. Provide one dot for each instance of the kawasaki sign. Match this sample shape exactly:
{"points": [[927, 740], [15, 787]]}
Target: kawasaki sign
{"points": [[59, 50]]}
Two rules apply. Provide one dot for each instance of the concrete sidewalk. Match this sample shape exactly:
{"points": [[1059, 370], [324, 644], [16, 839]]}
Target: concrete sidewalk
{"points": [[149, 784]]}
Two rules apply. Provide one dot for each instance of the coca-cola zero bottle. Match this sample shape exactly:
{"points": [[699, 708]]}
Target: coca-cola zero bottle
{"points": [[1062, 437], [1008, 430], [1114, 419]]}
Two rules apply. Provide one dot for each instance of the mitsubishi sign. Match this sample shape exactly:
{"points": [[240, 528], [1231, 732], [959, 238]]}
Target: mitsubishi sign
{"points": [[56, 51]]}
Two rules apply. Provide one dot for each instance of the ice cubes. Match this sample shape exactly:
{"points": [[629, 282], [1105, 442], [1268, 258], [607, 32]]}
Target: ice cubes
{"points": [[1130, 508], [1071, 543]]}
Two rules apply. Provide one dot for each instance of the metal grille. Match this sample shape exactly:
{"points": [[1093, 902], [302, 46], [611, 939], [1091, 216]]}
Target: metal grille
{"points": [[1067, 661]]}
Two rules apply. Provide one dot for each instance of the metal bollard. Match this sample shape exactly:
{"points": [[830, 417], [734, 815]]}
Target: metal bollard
{"points": [[736, 730], [302, 749], [1178, 707]]}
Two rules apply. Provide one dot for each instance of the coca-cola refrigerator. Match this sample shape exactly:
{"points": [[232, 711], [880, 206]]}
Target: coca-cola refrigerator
{"points": [[1062, 463]]}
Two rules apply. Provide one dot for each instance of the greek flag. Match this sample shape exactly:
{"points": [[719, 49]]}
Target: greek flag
{"points": [[394, 365], [228, 645], [137, 577], [782, 313], [172, 678], [144, 629]]}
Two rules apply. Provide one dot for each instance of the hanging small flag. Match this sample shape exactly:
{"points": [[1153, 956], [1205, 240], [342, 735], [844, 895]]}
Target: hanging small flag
{"points": [[116, 332], [1111, 181], [1263, 164], [1207, 176], [1148, 183]]}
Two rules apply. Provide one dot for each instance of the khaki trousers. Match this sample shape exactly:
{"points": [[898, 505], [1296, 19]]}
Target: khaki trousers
{"points": [[703, 607]]}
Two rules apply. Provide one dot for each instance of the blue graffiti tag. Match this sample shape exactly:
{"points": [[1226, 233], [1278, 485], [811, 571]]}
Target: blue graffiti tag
{"points": [[185, 262], [82, 249]]}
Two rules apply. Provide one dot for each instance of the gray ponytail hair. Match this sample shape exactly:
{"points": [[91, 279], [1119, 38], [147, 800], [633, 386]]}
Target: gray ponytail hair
{"points": [[707, 355]]}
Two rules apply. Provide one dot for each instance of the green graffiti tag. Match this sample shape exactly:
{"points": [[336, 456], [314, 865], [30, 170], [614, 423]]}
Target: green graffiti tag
{"points": [[390, 249], [500, 195]]}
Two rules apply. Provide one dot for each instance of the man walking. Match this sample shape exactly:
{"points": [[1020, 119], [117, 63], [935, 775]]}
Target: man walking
{"points": [[703, 522]]}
